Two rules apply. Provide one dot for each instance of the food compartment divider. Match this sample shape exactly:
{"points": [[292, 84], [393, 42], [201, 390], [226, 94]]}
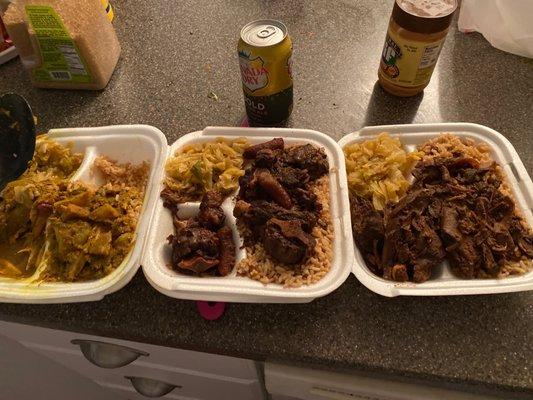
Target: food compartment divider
{"points": [[519, 181], [233, 288], [123, 143]]}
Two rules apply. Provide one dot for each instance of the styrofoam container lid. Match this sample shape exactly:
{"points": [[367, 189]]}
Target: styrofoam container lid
{"points": [[443, 282], [235, 288], [124, 143], [8, 54]]}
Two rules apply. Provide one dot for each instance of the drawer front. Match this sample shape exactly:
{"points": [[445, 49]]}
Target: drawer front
{"points": [[128, 393], [307, 384], [189, 385], [165, 356]]}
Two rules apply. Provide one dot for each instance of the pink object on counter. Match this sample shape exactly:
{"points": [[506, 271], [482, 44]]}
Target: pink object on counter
{"points": [[211, 310]]}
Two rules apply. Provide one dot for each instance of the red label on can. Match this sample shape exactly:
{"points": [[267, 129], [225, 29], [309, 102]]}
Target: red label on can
{"points": [[5, 42]]}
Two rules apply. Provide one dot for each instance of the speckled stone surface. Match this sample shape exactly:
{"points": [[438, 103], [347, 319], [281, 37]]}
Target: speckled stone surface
{"points": [[174, 54]]}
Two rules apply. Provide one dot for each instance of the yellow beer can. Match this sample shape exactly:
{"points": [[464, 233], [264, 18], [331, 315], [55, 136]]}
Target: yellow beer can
{"points": [[265, 51], [108, 9]]}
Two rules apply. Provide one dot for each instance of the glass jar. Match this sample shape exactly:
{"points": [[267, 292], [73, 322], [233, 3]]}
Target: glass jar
{"points": [[415, 36]]}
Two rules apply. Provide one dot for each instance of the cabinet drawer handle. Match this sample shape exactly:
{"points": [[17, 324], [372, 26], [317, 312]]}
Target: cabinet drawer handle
{"points": [[107, 355], [151, 387]]}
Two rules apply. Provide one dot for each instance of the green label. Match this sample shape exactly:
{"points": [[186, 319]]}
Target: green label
{"points": [[61, 60]]}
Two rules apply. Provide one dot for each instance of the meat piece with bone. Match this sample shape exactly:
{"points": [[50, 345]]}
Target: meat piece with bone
{"points": [[286, 241]]}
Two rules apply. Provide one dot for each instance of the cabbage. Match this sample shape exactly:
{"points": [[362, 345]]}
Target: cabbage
{"points": [[198, 168], [378, 169]]}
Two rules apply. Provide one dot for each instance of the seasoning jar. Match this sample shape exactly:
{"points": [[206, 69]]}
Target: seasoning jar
{"points": [[64, 44], [416, 34]]}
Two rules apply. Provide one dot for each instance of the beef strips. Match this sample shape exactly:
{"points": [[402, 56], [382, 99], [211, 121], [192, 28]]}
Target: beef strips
{"points": [[454, 210], [275, 199], [201, 245]]}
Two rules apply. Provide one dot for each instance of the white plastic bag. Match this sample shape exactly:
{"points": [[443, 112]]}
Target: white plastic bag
{"points": [[506, 24]]}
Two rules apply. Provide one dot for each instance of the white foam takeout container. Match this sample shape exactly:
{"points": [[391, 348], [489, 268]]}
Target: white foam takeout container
{"points": [[233, 288], [125, 143], [8, 54], [443, 282]]}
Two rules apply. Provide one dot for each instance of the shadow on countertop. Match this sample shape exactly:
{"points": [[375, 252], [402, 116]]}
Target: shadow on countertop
{"points": [[385, 109]]}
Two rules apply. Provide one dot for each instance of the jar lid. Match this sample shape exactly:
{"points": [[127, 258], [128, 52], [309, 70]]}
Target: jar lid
{"points": [[423, 16]]}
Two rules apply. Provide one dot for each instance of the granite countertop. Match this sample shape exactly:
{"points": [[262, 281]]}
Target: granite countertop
{"points": [[174, 55]]}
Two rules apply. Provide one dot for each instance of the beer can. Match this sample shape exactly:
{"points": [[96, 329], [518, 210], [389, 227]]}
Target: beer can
{"points": [[108, 9], [265, 51]]}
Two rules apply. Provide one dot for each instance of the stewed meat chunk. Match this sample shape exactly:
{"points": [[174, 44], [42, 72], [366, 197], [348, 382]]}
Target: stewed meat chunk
{"points": [[287, 242]]}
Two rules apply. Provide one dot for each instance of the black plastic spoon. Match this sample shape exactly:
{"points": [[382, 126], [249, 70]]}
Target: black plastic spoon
{"points": [[17, 137]]}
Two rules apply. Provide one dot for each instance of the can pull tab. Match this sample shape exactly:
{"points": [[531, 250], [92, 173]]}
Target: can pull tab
{"points": [[266, 32]]}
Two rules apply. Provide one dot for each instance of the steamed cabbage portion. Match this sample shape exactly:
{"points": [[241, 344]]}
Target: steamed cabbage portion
{"points": [[54, 159], [92, 229], [378, 169], [198, 168], [56, 229], [23, 214]]}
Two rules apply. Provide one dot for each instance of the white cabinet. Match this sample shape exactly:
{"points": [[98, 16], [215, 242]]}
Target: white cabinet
{"points": [[282, 397], [27, 375], [195, 375], [292, 383]]}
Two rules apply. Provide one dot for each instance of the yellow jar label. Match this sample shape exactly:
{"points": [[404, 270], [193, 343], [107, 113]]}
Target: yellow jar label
{"points": [[60, 58], [407, 62]]}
